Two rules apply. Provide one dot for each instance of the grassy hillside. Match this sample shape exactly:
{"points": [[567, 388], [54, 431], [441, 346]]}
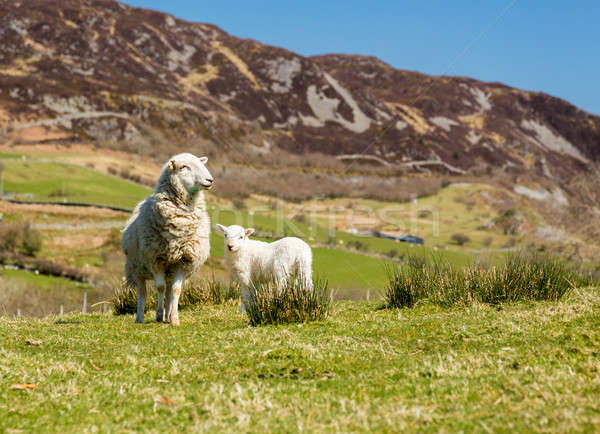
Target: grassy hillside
{"points": [[44, 181], [515, 368], [349, 273]]}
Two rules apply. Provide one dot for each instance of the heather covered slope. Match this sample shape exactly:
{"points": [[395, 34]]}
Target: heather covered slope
{"points": [[102, 71]]}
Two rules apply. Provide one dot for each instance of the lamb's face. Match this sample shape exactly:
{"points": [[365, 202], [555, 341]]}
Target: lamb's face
{"points": [[191, 172], [235, 236]]}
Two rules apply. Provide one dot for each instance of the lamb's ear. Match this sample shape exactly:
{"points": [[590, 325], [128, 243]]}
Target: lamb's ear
{"points": [[220, 228], [203, 160], [172, 166], [249, 231]]}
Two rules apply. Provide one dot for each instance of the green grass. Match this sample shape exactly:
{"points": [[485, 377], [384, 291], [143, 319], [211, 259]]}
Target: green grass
{"points": [[41, 281], [298, 301], [47, 181], [528, 367], [349, 274], [10, 155], [521, 277], [195, 292], [321, 234], [458, 208]]}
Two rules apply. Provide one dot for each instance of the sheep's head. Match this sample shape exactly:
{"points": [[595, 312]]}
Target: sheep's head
{"points": [[235, 236], [189, 172]]}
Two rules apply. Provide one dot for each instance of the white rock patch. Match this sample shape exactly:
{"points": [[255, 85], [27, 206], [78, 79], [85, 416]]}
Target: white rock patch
{"points": [[72, 105], [283, 71], [482, 99], [170, 21], [291, 122], [473, 137], [325, 109], [557, 196], [400, 125], [177, 58], [546, 139], [550, 233], [444, 123], [19, 26]]}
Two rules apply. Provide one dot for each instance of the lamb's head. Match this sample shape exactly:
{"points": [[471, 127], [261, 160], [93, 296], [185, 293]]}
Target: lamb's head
{"points": [[188, 172], [235, 236]]}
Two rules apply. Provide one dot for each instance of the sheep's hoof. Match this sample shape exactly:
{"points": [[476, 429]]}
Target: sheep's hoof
{"points": [[175, 321], [139, 321], [160, 317]]}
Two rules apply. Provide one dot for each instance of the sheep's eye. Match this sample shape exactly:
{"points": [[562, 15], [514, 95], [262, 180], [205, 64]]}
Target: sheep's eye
{"points": [[241, 236]]}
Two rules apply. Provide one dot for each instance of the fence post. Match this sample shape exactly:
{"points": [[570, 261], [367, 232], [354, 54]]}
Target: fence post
{"points": [[62, 310], [368, 295]]}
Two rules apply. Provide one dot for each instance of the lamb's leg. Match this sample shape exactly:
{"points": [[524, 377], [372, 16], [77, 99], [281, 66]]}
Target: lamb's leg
{"points": [[244, 281], [281, 274], [141, 301], [245, 292], [306, 273], [176, 293], [161, 287]]}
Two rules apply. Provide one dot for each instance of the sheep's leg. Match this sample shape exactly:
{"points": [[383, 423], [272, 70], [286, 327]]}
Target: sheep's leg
{"points": [[175, 294], [168, 295], [161, 287], [141, 301]]}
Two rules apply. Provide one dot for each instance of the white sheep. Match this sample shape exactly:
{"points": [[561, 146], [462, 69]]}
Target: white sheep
{"points": [[248, 260], [167, 237]]}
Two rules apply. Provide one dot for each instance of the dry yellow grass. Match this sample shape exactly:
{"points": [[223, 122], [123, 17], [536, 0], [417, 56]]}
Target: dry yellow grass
{"points": [[474, 121], [411, 116], [239, 63]]}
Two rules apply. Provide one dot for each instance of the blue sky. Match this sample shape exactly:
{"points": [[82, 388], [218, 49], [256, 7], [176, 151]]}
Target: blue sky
{"points": [[552, 46]]}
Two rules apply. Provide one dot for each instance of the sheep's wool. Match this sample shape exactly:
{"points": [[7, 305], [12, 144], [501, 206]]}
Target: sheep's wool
{"points": [[168, 231]]}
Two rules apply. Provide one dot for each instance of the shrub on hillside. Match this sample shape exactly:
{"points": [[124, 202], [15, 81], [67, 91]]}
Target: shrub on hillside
{"points": [[20, 236], [460, 239], [32, 240], [10, 237], [294, 303], [357, 245], [210, 291], [518, 278]]}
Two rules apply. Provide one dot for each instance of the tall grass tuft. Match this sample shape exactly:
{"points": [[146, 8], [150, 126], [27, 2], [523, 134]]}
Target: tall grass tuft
{"points": [[519, 278], [197, 292], [293, 303]]}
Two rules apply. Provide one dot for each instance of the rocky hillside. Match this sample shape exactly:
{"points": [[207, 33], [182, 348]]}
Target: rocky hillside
{"points": [[102, 71]]}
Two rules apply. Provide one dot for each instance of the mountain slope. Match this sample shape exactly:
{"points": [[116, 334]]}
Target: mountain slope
{"points": [[102, 71]]}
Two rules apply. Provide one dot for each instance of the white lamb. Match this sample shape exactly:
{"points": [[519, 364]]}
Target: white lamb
{"points": [[167, 237], [248, 259]]}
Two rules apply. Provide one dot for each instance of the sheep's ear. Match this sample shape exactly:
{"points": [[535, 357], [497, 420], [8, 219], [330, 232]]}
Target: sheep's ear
{"points": [[220, 228], [249, 231], [203, 160], [172, 165]]}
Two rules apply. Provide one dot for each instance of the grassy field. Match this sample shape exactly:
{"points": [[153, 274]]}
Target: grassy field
{"points": [[41, 281], [58, 181], [457, 208], [350, 274], [513, 368]]}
